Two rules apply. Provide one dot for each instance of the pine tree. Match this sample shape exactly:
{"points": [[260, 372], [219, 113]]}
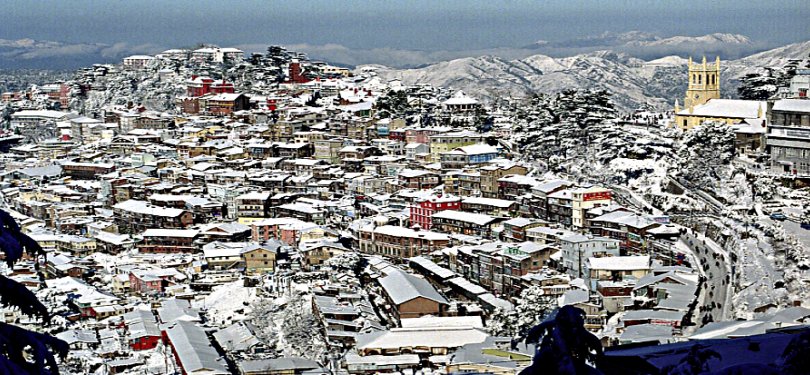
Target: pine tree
{"points": [[23, 351]]}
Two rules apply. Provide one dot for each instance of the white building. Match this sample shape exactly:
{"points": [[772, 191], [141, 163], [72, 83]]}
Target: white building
{"points": [[137, 62], [577, 248], [584, 199]]}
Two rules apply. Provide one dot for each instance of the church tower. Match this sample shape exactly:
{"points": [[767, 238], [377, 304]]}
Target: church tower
{"points": [[704, 83]]}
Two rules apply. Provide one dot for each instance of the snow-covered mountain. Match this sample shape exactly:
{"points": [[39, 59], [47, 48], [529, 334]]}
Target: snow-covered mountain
{"points": [[633, 81]]}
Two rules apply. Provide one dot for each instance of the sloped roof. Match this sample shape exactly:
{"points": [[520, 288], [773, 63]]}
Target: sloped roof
{"points": [[194, 350], [402, 287]]}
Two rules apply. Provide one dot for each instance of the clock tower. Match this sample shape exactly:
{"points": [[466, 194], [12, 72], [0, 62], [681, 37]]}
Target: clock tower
{"points": [[704, 83]]}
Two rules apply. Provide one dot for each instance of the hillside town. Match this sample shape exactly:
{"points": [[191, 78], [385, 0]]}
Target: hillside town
{"points": [[208, 211]]}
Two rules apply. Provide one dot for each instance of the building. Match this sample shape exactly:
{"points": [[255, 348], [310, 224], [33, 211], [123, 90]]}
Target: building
{"points": [[460, 222], [226, 104], [168, 241], [584, 199], [137, 62], [702, 102], [444, 142], [788, 138], [400, 242], [193, 350], [704, 83], [475, 154], [86, 171], [133, 216], [260, 258], [280, 366], [142, 330], [411, 297], [616, 268], [577, 248], [422, 212], [253, 205]]}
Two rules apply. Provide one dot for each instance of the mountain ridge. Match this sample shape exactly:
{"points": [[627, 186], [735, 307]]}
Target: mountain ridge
{"points": [[634, 82]]}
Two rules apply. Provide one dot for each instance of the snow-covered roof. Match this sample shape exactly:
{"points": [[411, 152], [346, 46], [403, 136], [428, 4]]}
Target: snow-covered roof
{"points": [[236, 337], [460, 98], [139, 57], [402, 287], [501, 203], [392, 230], [145, 208], [437, 337], [726, 108], [646, 333], [293, 365], [40, 113], [465, 284], [477, 149], [792, 105], [444, 321], [620, 263], [159, 232], [467, 217], [194, 350], [427, 264]]}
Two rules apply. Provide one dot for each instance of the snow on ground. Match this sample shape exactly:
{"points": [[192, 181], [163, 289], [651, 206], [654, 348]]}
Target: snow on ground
{"points": [[228, 303]]}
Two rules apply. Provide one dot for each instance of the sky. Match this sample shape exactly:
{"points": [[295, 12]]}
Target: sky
{"points": [[397, 33], [414, 24]]}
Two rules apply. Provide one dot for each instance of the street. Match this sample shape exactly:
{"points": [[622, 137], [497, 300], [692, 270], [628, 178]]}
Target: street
{"points": [[712, 260]]}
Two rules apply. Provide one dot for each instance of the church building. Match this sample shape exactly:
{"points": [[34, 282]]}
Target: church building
{"points": [[702, 102]]}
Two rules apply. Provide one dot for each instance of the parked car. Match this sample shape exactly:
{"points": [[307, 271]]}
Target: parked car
{"points": [[778, 216]]}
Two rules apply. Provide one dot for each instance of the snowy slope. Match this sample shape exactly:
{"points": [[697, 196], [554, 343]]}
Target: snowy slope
{"points": [[634, 82]]}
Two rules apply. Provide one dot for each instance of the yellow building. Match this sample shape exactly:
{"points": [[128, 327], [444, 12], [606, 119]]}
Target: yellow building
{"points": [[445, 142], [259, 260], [702, 102]]}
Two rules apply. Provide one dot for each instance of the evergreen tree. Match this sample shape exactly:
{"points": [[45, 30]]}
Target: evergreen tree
{"points": [[23, 351]]}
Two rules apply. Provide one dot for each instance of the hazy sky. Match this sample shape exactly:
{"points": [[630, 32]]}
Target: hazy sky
{"points": [[413, 24]]}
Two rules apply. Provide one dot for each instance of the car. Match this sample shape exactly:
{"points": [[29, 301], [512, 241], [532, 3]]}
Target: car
{"points": [[805, 226], [778, 216]]}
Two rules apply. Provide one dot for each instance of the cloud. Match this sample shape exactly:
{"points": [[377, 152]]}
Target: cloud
{"points": [[123, 48], [25, 53], [638, 44]]}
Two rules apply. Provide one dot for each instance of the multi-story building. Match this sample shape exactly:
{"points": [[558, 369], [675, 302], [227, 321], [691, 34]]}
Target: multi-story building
{"points": [[584, 199], [328, 149], [168, 241], [444, 142], [788, 138], [133, 216], [253, 205], [452, 221], [399, 242], [577, 248], [468, 155], [422, 212]]}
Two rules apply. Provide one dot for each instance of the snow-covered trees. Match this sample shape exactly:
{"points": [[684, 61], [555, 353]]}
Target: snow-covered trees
{"points": [[299, 329], [393, 104], [765, 187], [704, 153], [754, 86], [348, 261], [23, 351], [531, 308], [289, 326]]}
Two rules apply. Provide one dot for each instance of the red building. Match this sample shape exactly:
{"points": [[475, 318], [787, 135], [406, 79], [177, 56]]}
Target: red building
{"points": [[142, 330], [199, 86], [222, 87], [296, 75], [422, 213]]}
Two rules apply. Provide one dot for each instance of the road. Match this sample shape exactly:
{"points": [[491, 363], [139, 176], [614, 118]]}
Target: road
{"points": [[715, 266]]}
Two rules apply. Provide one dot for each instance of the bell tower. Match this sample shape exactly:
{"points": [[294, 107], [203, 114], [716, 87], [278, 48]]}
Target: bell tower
{"points": [[704, 83]]}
